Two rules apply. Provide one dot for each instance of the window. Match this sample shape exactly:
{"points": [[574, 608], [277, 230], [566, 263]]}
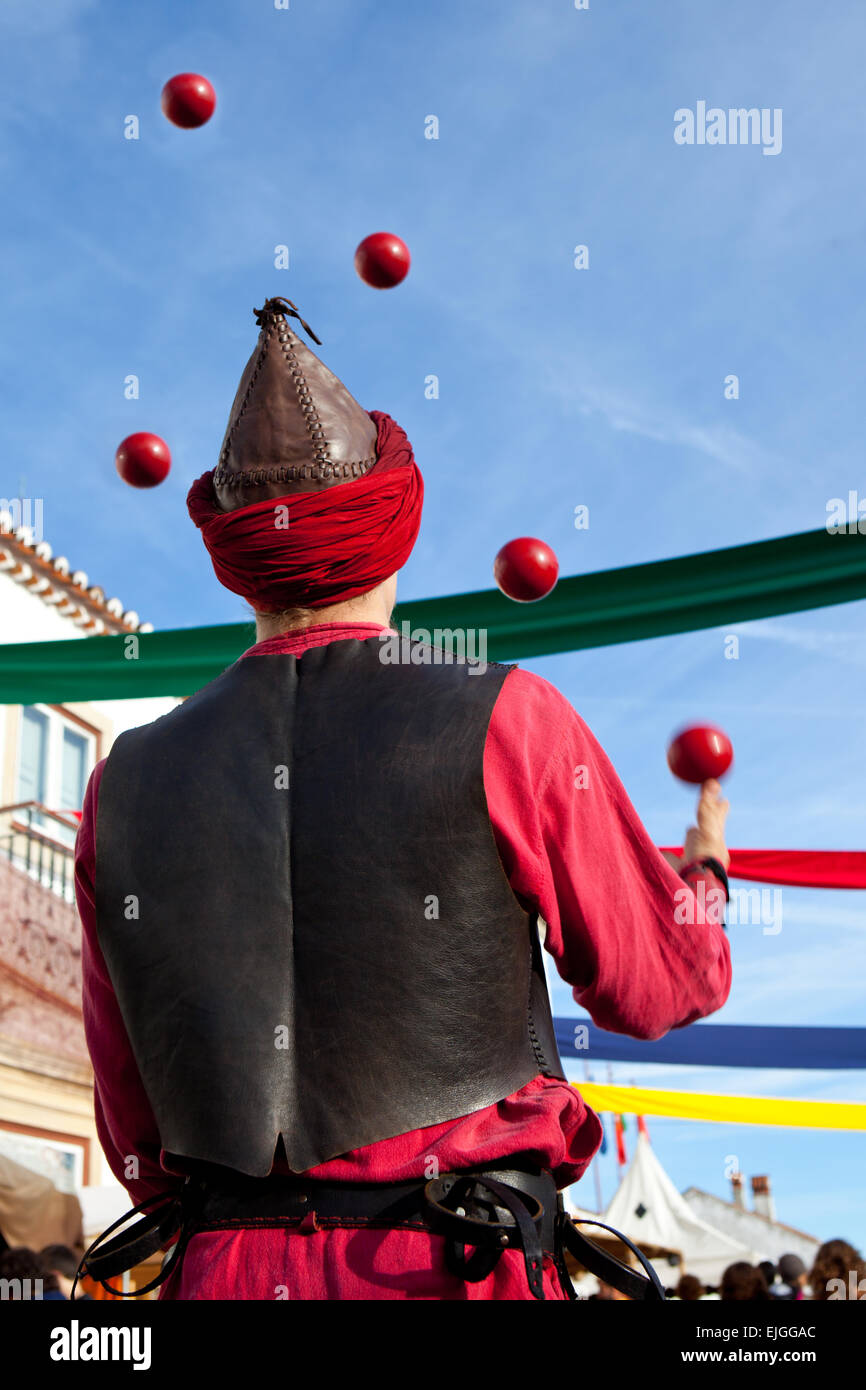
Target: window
{"points": [[73, 778], [33, 768], [55, 760]]}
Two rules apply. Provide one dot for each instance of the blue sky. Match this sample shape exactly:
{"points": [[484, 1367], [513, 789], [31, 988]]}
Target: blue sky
{"points": [[557, 386]]}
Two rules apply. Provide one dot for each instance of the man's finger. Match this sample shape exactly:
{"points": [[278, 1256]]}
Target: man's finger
{"points": [[711, 813]]}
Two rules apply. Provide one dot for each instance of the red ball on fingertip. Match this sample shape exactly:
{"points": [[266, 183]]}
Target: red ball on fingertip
{"points": [[700, 752], [188, 100], [382, 260], [143, 460], [526, 569]]}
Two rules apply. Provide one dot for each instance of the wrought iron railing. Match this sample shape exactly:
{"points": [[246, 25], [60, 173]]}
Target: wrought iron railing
{"points": [[27, 841]]}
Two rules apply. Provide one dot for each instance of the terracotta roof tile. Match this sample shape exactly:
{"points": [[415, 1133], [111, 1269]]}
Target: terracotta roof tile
{"points": [[33, 565]]}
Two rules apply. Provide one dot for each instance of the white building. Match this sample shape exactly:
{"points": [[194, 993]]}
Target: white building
{"points": [[47, 752], [758, 1227]]}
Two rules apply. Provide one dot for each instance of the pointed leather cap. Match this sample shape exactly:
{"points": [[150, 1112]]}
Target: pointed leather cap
{"points": [[293, 425]]}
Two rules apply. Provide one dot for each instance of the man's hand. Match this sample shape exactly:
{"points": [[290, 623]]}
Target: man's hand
{"points": [[706, 840]]}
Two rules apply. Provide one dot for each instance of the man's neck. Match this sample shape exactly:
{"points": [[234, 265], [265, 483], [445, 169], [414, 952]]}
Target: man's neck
{"points": [[272, 625]]}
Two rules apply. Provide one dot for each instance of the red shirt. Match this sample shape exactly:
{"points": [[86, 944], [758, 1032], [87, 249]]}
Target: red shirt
{"points": [[574, 850]]}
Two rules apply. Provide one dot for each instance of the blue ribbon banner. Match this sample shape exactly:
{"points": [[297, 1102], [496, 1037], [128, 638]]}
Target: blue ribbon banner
{"points": [[720, 1045]]}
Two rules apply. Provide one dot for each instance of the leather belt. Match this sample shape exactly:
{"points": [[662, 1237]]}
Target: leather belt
{"points": [[261, 1200], [491, 1209]]}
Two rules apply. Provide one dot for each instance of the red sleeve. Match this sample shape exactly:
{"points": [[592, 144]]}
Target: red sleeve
{"points": [[124, 1120], [575, 850]]}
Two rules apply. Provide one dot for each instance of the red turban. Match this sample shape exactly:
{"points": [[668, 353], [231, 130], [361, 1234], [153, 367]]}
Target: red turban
{"points": [[338, 543]]}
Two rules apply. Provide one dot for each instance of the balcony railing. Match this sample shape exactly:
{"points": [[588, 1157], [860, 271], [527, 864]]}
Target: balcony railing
{"points": [[41, 843]]}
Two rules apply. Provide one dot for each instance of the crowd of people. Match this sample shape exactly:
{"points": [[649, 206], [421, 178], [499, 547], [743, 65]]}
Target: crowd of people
{"points": [[50, 1271], [838, 1272]]}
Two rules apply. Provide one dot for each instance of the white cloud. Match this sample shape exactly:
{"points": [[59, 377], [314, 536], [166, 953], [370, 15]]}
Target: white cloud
{"points": [[664, 425], [841, 646]]}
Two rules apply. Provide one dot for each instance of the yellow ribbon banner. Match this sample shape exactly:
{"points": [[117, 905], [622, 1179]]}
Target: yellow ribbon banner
{"points": [[733, 1110]]}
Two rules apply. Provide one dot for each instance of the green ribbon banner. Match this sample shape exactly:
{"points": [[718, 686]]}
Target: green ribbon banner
{"points": [[716, 587]]}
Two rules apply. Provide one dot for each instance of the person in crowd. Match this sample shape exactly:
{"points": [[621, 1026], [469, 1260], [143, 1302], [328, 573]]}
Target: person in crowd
{"points": [[768, 1269], [690, 1289], [743, 1283], [25, 1275], [63, 1263], [839, 1272], [793, 1279]]}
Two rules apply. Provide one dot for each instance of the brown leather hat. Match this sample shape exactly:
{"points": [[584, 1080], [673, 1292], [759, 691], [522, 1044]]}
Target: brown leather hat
{"points": [[293, 425]]}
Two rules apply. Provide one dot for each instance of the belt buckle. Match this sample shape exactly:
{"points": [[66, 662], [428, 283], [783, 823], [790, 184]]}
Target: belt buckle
{"points": [[455, 1197], [453, 1205]]}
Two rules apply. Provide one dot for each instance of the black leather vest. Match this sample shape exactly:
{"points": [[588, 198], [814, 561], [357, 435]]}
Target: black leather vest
{"points": [[303, 911]]}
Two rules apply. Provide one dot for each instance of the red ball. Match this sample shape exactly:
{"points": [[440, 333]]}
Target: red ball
{"points": [[188, 100], [382, 260], [700, 752], [143, 460], [526, 569]]}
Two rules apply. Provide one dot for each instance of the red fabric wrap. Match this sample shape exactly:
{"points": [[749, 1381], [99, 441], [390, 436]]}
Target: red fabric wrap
{"points": [[798, 868], [339, 542]]}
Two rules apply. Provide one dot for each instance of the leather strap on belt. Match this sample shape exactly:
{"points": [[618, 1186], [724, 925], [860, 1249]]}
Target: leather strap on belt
{"points": [[602, 1264], [172, 1215]]}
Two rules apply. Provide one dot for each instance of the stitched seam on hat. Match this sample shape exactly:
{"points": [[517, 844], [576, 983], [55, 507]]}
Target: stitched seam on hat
{"points": [[285, 473], [245, 401], [311, 415]]}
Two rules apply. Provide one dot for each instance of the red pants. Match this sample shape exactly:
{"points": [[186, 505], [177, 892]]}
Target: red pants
{"points": [[346, 1263]]}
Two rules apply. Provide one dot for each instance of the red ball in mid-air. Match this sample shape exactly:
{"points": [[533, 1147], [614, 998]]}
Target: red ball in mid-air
{"points": [[526, 569], [700, 752], [143, 460], [188, 100], [382, 260]]}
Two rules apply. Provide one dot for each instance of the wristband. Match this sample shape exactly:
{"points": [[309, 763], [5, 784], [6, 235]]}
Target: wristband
{"points": [[715, 867]]}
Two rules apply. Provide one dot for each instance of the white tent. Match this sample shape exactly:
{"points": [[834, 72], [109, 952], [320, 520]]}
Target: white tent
{"points": [[647, 1208], [101, 1206], [33, 1212]]}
